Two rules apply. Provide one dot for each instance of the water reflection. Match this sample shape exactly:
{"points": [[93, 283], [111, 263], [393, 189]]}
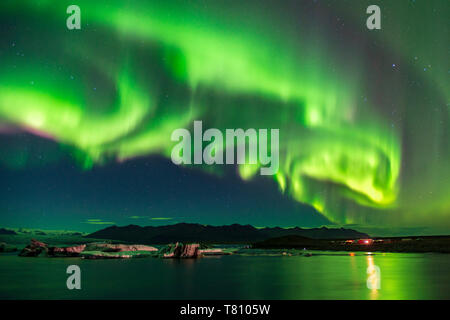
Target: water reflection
{"points": [[325, 275], [374, 277]]}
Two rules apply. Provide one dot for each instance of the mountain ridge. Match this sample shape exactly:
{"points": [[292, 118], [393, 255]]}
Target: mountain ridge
{"points": [[234, 233]]}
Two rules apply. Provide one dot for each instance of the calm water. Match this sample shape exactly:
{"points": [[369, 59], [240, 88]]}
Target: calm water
{"points": [[322, 276]]}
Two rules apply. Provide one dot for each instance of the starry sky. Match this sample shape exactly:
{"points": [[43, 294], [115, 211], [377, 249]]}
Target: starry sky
{"points": [[86, 115]]}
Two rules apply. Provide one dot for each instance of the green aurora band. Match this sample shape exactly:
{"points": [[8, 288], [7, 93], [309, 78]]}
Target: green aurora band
{"points": [[139, 70]]}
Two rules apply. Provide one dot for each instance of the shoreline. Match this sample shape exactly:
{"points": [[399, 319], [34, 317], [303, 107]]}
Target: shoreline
{"points": [[439, 244]]}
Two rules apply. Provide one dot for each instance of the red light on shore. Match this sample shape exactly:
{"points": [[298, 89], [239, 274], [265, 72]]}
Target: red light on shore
{"points": [[365, 241]]}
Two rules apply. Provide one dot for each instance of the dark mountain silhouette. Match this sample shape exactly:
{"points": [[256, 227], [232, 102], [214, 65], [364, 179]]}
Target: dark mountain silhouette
{"points": [[291, 241], [235, 233], [6, 231]]}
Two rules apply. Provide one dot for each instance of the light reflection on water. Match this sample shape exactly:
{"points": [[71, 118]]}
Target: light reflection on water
{"points": [[325, 275], [374, 277]]}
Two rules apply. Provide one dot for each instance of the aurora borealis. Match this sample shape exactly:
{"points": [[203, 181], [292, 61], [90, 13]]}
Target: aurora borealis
{"points": [[363, 115]]}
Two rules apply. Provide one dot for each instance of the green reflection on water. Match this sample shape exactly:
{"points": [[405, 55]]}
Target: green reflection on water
{"points": [[325, 275]]}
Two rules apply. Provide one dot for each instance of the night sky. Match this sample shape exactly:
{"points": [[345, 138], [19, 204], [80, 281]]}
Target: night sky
{"points": [[86, 115]]}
